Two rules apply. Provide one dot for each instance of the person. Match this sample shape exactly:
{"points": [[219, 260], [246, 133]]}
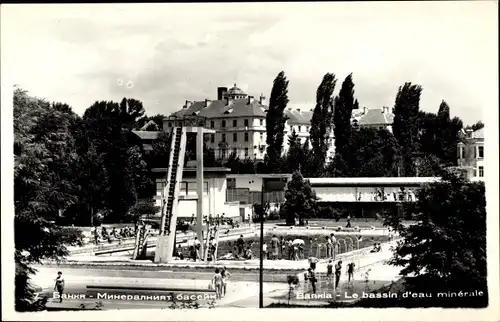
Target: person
{"points": [[312, 279], [289, 247], [225, 275], [379, 247], [329, 272], [59, 286], [197, 248], [264, 250], [301, 250], [338, 271], [282, 247], [329, 247], [374, 249], [212, 248], [350, 272], [295, 251], [217, 283], [96, 236], [348, 221], [298, 248], [248, 253], [274, 247], [334, 244], [240, 243]]}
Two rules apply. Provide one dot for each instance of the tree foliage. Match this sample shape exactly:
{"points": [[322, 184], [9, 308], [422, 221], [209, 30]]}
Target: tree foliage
{"points": [[446, 249], [44, 156], [405, 126], [300, 199], [275, 121], [321, 121], [345, 103]]}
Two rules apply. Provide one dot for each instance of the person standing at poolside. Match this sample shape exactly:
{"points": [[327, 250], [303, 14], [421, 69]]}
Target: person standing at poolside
{"points": [[329, 272], [240, 243], [225, 275], [329, 247], [274, 247], [338, 272], [197, 247], [59, 286], [217, 283], [282, 247], [264, 250], [334, 244]]}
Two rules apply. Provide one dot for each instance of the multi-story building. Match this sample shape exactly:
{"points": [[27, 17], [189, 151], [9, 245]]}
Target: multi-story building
{"points": [[471, 153], [240, 123]]}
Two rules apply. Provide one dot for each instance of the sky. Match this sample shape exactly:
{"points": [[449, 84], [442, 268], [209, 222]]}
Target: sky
{"points": [[164, 54]]}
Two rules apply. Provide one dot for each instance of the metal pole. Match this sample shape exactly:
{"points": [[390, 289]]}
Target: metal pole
{"points": [[261, 270], [199, 187]]}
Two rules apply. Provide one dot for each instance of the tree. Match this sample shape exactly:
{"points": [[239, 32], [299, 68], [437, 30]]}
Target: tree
{"points": [[446, 249], [405, 126], [275, 121], [300, 199], [144, 207], [321, 121], [157, 119], [375, 153], [344, 104], [477, 126], [42, 143]]}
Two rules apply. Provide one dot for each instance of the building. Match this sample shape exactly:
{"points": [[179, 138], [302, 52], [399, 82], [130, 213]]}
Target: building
{"points": [[240, 123], [214, 192], [377, 118], [471, 153]]}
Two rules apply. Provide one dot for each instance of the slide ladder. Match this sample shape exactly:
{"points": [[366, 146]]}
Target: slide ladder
{"points": [[141, 240]]}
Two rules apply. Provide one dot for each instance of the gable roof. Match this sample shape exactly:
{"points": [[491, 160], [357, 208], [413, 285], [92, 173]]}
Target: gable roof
{"points": [[302, 117], [374, 116], [478, 134], [218, 108]]}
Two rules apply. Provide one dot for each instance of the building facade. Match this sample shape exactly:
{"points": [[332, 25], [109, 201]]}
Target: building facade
{"points": [[240, 123], [377, 118], [471, 153]]}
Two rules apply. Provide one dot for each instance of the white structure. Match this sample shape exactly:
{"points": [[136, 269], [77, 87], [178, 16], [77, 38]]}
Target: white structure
{"points": [[214, 193], [240, 123], [471, 153]]}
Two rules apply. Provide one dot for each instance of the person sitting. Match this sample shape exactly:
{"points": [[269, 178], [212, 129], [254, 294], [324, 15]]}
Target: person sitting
{"points": [[248, 253], [229, 255], [374, 249], [379, 247]]}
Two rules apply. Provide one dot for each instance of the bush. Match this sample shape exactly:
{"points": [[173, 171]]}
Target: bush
{"points": [[273, 215]]}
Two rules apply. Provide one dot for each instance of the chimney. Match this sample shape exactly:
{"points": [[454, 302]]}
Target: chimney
{"points": [[227, 100], [207, 102], [262, 99], [188, 104], [364, 109], [250, 99], [221, 92]]}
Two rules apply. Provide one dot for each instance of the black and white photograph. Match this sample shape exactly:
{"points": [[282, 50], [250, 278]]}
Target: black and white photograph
{"points": [[213, 157]]}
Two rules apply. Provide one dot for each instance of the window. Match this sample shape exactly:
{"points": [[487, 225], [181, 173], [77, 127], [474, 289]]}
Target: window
{"points": [[246, 136], [262, 137], [481, 171], [261, 122], [192, 186], [246, 152], [480, 151], [169, 124], [223, 137], [183, 188], [160, 185], [212, 124], [300, 128], [235, 151], [223, 124], [475, 172], [235, 137], [223, 153], [462, 152], [235, 123], [212, 138], [246, 122]]}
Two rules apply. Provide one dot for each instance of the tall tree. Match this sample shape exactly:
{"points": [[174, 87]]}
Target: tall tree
{"points": [[344, 104], [476, 126], [405, 126], [445, 251], [275, 121], [44, 156], [321, 121], [300, 199]]}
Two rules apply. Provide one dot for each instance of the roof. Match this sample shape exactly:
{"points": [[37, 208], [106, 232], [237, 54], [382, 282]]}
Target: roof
{"points": [[478, 134], [235, 90], [150, 123], [371, 180], [218, 108], [296, 117], [147, 135], [193, 169], [261, 175], [375, 116]]}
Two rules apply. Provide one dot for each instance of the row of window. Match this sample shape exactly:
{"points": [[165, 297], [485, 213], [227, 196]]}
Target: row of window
{"points": [[235, 137], [186, 188], [246, 122]]}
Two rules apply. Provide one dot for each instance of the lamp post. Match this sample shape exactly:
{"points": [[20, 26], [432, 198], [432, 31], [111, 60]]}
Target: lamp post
{"points": [[261, 270]]}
